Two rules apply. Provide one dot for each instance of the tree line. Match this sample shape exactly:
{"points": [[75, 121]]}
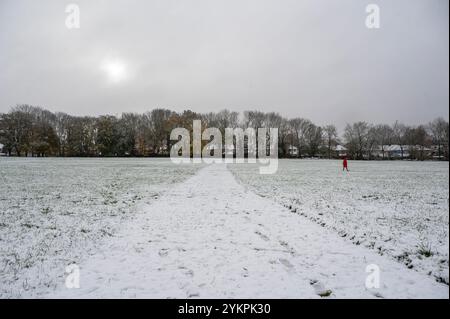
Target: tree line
{"points": [[33, 131]]}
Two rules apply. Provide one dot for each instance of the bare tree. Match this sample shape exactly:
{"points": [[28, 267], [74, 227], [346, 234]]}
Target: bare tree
{"points": [[439, 129], [299, 127], [159, 129], [61, 129], [313, 137], [383, 135], [254, 119], [275, 120], [331, 138], [127, 129], [356, 137], [225, 119], [18, 129], [372, 144], [399, 134]]}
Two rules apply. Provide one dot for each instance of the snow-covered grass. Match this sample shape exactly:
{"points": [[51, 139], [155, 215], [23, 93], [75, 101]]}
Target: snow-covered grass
{"points": [[135, 234], [55, 211], [399, 209], [209, 237]]}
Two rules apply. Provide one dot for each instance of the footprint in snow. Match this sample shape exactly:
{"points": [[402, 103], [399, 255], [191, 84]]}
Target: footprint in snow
{"points": [[289, 248], [319, 288], [189, 273], [163, 252], [376, 294], [286, 263], [193, 294], [266, 238]]}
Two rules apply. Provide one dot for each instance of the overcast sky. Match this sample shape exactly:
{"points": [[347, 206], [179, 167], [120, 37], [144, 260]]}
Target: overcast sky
{"points": [[314, 59]]}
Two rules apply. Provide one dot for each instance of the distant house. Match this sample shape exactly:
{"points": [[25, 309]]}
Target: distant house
{"points": [[437, 152], [397, 151], [420, 152], [2, 153], [380, 152], [340, 151]]}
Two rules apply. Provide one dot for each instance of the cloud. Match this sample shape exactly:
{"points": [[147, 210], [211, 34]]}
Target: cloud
{"points": [[300, 58]]}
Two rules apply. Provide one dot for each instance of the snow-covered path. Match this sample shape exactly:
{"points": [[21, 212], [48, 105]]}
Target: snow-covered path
{"points": [[210, 237]]}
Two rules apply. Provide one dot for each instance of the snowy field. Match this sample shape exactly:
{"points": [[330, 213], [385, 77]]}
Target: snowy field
{"points": [[209, 237], [399, 209], [54, 211], [150, 229]]}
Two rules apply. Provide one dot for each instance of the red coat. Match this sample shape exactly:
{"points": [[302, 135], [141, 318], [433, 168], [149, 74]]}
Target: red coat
{"points": [[345, 162]]}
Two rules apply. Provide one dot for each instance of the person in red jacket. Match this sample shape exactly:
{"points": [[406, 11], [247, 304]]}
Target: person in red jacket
{"points": [[345, 164]]}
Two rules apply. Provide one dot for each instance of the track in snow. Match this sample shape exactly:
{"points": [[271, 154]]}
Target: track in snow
{"points": [[209, 237]]}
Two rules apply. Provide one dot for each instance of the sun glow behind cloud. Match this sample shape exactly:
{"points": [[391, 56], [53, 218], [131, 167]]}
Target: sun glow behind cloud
{"points": [[116, 70]]}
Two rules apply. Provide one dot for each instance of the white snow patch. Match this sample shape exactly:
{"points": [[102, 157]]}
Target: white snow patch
{"points": [[398, 208], [209, 237], [54, 212]]}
